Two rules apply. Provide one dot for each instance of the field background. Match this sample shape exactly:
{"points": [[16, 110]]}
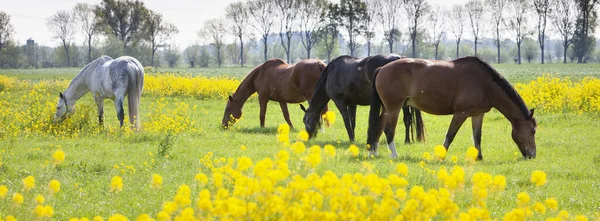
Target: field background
{"points": [[568, 150]]}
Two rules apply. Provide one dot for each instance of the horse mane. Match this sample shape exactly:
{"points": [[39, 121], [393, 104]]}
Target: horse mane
{"points": [[508, 89], [90, 66]]}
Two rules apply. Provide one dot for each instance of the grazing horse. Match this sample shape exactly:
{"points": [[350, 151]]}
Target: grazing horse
{"points": [[106, 78], [465, 87], [347, 81], [277, 81]]}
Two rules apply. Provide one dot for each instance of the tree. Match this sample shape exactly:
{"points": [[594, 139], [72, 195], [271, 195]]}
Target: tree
{"points": [[372, 14], [388, 18], [329, 31], [158, 31], [191, 54], [517, 23], [457, 25], [124, 18], [83, 13], [263, 20], [583, 39], [437, 26], [214, 29], [172, 55], [287, 17], [352, 15], [474, 10], [542, 9], [497, 7], [62, 26], [563, 16], [237, 13], [530, 49], [415, 11], [6, 29], [311, 14]]}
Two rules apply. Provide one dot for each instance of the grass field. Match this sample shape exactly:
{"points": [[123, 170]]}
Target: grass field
{"points": [[567, 152]]}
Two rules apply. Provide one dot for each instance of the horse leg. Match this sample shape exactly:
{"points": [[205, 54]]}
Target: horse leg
{"points": [[382, 123], [341, 105], [286, 113], [390, 131], [477, 122], [457, 121], [100, 105], [407, 121], [262, 101], [352, 113], [120, 110]]}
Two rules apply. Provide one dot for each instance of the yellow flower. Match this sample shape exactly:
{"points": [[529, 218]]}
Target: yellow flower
{"points": [[163, 216], [427, 156], [243, 148], [203, 179], [157, 181], [539, 207], [17, 199], [29, 182], [499, 183], [298, 147], [283, 129], [313, 159], [440, 152], [523, 198], [10, 218], [39, 199], [58, 156], [144, 217], [472, 153], [117, 217], [551, 203], [116, 184], [353, 150], [54, 186], [282, 155], [402, 169], [244, 163], [329, 117], [43, 211], [454, 159], [3, 191], [98, 218], [302, 136], [581, 218], [329, 150], [538, 178]]}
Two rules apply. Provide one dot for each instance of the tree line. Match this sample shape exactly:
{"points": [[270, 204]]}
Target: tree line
{"points": [[355, 27]]}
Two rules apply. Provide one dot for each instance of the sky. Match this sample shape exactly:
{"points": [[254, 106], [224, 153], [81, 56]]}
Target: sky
{"points": [[29, 16]]}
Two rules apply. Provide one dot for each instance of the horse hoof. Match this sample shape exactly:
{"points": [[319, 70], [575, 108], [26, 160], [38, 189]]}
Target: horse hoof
{"points": [[393, 156], [372, 153]]}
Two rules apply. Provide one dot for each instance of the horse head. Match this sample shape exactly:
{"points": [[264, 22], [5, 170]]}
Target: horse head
{"points": [[523, 134], [233, 112], [63, 109], [312, 121]]}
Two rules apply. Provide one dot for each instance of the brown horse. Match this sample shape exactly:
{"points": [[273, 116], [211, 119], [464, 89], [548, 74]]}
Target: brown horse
{"points": [[465, 87], [277, 81]]}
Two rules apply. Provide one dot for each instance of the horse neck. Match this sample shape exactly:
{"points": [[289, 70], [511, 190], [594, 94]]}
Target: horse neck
{"points": [[246, 88], [503, 103], [79, 86]]}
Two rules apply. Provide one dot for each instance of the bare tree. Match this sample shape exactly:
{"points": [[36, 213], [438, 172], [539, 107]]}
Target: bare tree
{"points": [[329, 31], [517, 22], [563, 16], [542, 9], [415, 11], [62, 26], [158, 31], [124, 18], [287, 17], [372, 14], [86, 20], [191, 54], [311, 15], [474, 10], [497, 7], [214, 29], [457, 25], [388, 18], [352, 15], [583, 39], [263, 20], [437, 26], [6, 29], [237, 13]]}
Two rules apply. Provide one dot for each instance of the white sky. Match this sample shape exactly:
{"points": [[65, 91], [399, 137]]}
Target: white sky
{"points": [[29, 16]]}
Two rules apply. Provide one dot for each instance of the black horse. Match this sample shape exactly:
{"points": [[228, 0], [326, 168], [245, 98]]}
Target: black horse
{"points": [[347, 81]]}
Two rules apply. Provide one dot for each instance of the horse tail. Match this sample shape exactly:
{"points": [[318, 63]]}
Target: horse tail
{"points": [[419, 124], [134, 92], [374, 112]]}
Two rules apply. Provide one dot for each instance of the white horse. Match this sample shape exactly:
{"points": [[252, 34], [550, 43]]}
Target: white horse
{"points": [[106, 78]]}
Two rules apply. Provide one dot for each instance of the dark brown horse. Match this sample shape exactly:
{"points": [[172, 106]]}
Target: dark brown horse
{"points": [[277, 81], [466, 87]]}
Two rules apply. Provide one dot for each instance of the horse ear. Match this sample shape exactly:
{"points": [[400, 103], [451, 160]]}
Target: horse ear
{"points": [[531, 111], [303, 108], [62, 96], [230, 98]]}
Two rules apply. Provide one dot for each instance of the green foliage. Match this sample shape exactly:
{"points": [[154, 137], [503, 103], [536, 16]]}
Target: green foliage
{"points": [[165, 145], [530, 49]]}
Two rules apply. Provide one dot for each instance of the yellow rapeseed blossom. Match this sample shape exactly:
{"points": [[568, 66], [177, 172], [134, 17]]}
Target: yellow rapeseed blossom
{"points": [[302, 136], [157, 181], [29, 183], [117, 217], [523, 198], [43, 211], [439, 152], [97, 218], [551, 203], [298, 147], [427, 156], [243, 148], [283, 129], [454, 159], [353, 150], [243, 163], [329, 150], [116, 184], [144, 217], [203, 179], [581, 218], [472, 153], [54, 186], [402, 169], [17, 199], [538, 178], [58, 157], [3, 191], [539, 207], [329, 117], [39, 199]]}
